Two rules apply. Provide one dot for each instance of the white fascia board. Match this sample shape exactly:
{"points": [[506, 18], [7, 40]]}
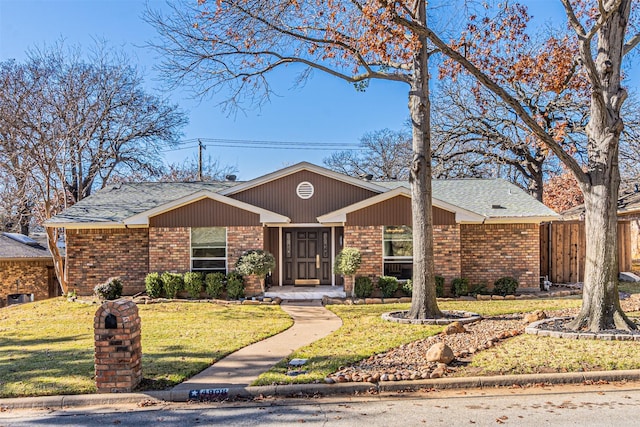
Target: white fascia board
{"points": [[462, 215], [265, 215], [521, 219], [340, 215], [297, 168]]}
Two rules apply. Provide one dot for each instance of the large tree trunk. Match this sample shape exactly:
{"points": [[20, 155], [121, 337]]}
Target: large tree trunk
{"points": [[423, 301], [600, 300]]}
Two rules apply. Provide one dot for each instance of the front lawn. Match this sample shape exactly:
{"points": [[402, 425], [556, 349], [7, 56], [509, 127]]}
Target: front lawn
{"points": [[47, 347]]}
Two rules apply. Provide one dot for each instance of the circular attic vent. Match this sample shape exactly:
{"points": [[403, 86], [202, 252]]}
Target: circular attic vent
{"points": [[304, 190]]}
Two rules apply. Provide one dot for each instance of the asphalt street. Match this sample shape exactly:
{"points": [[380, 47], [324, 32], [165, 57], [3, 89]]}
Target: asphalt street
{"points": [[579, 405]]}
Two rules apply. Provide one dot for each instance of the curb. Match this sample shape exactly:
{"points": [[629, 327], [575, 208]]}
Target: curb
{"points": [[297, 390]]}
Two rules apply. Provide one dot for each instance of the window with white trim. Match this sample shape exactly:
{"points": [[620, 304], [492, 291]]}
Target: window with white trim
{"points": [[397, 251], [209, 249]]}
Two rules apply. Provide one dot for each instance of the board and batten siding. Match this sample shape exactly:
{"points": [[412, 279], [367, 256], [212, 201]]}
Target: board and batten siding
{"points": [[205, 213], [280, 196], [563, 250], [395, 211]]}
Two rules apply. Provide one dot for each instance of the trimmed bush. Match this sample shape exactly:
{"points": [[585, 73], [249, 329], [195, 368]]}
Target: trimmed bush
{"points": [[235, 286], [109, 290], [388, 285], [214, 284], [193, 283], [505, 286], [347, 262], [407, 287], [363, 287], [439, 286], [153, 285], [460, 287], [172, 283], [478, 289], [256, 262]]}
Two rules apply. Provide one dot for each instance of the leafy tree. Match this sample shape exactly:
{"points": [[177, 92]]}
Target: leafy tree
{"points": [[233, 45], [256, 262], [602, 38], [561, 192]]}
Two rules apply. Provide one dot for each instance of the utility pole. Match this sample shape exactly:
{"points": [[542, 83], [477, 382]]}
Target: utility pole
{"points": [[200, 148]]}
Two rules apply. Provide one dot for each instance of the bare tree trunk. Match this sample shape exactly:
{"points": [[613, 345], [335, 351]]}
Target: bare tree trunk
{"points": [[423, 300], [58, 260]]}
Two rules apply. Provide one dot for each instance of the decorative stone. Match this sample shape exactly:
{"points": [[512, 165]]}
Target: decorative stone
{"points": [[440, 352], [534, 316], [454, 328], [483, 297], [329, 380]]}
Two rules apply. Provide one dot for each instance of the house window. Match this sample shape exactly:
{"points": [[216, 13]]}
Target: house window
{"points": [[397, 251], [209, 249]]}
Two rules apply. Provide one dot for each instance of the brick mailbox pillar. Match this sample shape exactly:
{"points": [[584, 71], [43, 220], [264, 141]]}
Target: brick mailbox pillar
{"points": [[118, 355]]}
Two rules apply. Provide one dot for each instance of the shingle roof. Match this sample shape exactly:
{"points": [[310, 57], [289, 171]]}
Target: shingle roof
{"points": [[628, 202], [491, 198], [119, 202], [12, 249]]}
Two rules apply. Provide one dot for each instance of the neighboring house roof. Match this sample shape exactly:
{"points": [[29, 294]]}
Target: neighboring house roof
{"points": [[628, 202], [15, 246], [496, 200], [473, 200]]}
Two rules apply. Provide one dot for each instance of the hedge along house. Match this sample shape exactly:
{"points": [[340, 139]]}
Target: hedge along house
{"points": [[304, 215]]}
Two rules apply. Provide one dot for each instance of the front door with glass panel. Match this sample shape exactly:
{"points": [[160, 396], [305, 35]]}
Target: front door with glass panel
{"points": [[307, 256]]}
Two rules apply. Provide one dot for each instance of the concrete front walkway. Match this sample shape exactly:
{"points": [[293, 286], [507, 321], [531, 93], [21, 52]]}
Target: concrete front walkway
{"points": [[311, 322]]}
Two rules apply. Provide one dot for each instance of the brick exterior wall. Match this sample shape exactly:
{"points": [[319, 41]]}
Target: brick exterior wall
{"points": [[446, 252], [169, 249], [33, 277], [492, 251], [118, 350], [93, 256], [240, 240]]}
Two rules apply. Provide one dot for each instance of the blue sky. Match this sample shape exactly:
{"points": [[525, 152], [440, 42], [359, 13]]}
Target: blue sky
{"points": [[324, 110]]}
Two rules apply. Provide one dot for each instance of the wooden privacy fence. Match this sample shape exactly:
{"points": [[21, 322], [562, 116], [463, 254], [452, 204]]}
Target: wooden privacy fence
{"points": [[562, 250]]}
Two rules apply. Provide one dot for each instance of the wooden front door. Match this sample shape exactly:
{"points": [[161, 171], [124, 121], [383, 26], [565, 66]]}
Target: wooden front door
{"points": [[307, 256]]}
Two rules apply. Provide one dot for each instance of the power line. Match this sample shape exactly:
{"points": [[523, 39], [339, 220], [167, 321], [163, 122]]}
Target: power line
{"points": [[269, 145]]}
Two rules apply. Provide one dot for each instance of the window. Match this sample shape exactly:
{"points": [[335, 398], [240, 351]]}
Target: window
{"points": [[397, 251], [209, 249]]}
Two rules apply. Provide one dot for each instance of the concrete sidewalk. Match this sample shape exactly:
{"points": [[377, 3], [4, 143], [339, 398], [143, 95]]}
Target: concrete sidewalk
{"points": [[311, 322]]}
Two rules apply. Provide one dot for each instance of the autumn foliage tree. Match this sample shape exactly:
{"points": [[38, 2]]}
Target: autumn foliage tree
{"points": [[230, 47], [602, 36], [561, 192]]}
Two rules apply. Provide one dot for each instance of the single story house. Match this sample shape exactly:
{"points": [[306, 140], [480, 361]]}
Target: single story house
{"points": [[26, 270], [304, 214]]}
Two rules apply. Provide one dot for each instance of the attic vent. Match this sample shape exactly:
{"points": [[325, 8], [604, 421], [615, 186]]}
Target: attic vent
{"points": [[497, 207], [304, 190]]}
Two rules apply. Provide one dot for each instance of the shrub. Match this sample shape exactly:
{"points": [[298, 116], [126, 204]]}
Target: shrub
{"points": [[153, 285], [505, 286], [347, 261], [172, 283], [193, 283], [214, 284], [363, 287], [109, 290], [388, 285], [460, 287], [235, 286], [439, 286], [407, 287], [478, 289], [256, 262]]}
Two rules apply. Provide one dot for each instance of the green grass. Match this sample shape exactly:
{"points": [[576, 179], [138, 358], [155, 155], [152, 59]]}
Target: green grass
{"points": [[364, 334], [47, 347], [629, 287]]}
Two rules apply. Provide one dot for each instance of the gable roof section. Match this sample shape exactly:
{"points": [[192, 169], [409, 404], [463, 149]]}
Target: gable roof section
{"points": [[369, 185], [132, 204], [628, 203], [340, 215], [494, 200]]}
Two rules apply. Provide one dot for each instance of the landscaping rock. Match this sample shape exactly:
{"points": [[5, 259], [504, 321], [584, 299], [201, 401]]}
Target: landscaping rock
{"points": [[483, 297], [534, 316], [440, 352], [454, 328], [250, 302]]}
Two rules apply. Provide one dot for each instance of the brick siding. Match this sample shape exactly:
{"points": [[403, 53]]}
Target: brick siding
{"points": [[240, 240], [93, 256], [492, 251], [33, 279], [446, 252], [169, 249]]}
